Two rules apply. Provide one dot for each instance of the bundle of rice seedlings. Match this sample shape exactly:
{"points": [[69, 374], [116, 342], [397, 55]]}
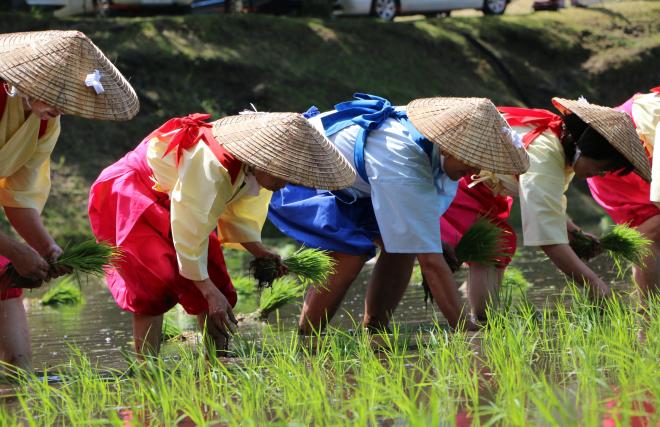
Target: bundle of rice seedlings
{"points": [[170, 330], [88, 257], [63, 292], [515, 279], [309, 266], [482, 243], [624, 243], [283, 291], [244, 285]]}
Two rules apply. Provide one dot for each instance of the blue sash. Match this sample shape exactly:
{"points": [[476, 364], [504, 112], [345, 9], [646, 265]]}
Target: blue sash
{"points": [[369, 112]]}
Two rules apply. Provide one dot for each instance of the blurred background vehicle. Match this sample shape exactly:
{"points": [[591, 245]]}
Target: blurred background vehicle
{"points": [[148, 7], [388, 9]]}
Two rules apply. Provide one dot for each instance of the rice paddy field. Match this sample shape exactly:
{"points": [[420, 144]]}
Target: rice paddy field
{"points": [[548, 357]]}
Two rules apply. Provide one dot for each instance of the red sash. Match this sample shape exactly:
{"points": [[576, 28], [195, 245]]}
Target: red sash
{"points": [[192, 129], [656, 90], [3, 104], [540, 120]]}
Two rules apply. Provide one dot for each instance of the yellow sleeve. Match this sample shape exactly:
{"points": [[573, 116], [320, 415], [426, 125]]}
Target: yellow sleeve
{"points": [[29, 186], [542, 200], [198, 198], [244, 218]]}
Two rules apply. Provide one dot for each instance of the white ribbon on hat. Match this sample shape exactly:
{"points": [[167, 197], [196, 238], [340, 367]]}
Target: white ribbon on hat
{"points": [[252, 111], [582, 100], [94, 80], [515, 137]]}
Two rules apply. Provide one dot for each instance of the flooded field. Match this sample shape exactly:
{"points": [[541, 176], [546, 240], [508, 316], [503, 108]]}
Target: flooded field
{"points": [[100, 329], [557, 361]]}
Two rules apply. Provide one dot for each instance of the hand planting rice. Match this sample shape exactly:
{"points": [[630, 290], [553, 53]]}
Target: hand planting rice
{"points": [[88, 257], [309, 266]]}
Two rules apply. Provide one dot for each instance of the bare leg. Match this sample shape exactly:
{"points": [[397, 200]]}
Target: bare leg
{"points": [[482, 286], [215, 341], [320, 305], [387, 284], [647, 278], [14, 334], [146, 334]]}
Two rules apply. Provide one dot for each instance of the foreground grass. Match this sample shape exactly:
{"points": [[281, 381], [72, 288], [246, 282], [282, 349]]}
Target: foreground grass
{"points": [[574, 365]]}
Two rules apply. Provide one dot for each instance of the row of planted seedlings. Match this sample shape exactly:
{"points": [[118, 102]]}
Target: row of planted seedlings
{"points": [[579, 365], [558, 366]]}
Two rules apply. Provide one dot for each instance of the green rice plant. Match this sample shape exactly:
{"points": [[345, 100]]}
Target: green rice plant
{"points": [[244, 285], [310, 266], [514, 285], [63, 292], [283, 291], [170, 330], [88, 257], [482, 243]]}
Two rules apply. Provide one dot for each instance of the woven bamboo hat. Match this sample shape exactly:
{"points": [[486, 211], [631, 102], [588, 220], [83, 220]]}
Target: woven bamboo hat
{"points": [[471, 130], [287, 146], [66, 70], [615, 126]]}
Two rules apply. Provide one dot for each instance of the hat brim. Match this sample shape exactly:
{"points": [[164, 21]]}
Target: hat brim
{"points": [[287, 146], [613, 125]]}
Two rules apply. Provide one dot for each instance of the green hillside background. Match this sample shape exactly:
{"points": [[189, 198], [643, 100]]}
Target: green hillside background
{"points": [[221, 63]]}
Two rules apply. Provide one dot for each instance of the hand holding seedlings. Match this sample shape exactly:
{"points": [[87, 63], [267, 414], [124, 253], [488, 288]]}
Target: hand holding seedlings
{"points": [[52, 254], [585, 245], [30, 269], [88, 257], [622, 243], [308, 265], [450, 257]]}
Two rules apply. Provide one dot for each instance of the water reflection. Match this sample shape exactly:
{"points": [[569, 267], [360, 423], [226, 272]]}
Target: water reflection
{"points": [[103, 331]]}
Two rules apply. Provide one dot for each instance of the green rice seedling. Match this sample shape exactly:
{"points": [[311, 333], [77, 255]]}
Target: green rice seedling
{"points": [[170, 330], [513, 285], [244, 285], [63, 292], [482, 243], [310, 266], [88, 257], [283, 291]]}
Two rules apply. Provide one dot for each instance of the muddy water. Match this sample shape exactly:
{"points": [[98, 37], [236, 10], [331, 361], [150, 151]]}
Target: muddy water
{"points": [[102, 331]]}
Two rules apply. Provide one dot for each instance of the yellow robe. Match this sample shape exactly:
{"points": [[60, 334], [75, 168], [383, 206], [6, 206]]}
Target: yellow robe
{"points": [[24, 157], [202, 197]]}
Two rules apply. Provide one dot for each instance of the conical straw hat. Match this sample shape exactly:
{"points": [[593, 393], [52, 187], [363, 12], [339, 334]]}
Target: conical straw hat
{"points": [[471, 130], [287, 146], [615, 126], [52, 66]]}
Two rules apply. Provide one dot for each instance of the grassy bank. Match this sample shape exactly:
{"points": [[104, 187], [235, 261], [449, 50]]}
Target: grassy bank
{"points": [[562, 367], [220, 64]]}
